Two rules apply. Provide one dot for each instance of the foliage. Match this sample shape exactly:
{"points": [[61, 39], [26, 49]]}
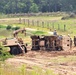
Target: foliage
{"points": [[8, 27], [68, 17], [5, 33], [2, 26], [39, 33], [4, 54], [34, 8], [11, 70], [25, 6], [15, 28]]}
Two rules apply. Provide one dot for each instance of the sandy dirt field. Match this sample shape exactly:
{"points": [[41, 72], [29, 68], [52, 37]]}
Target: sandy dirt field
{"points": [[61, 62]]}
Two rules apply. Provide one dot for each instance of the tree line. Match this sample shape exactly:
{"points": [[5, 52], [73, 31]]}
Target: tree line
{"points": [[27, 6]]}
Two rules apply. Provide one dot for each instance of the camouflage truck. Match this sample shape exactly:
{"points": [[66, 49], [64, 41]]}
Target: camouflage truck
{"points": [[16, 45], [51, 42]]}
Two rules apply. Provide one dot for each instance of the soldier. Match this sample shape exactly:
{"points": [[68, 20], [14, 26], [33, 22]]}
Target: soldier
{"points": [[74, 40], [55, 32], [70, 43]]}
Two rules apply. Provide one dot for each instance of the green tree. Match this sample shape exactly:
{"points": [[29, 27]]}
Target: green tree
{"points": [[25, 6], [34, 8]]}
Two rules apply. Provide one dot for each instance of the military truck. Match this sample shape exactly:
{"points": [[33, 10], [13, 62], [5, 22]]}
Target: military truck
{"points": [[51, 42], [16, 45]]}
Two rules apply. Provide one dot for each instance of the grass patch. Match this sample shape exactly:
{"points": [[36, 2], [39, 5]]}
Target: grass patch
{"points": [[54, 21], [2, 26], [53, 24], [4, 54], [10, 70], [39, 33], [5, 33]]}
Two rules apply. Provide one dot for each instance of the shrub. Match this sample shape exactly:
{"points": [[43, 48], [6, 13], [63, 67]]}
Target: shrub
{"points": [[15, 28], [72, 16], [4, 54], [68, 17], [8, 27]]}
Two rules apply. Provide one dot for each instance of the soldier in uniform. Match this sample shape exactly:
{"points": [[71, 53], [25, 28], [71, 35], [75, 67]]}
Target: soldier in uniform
{"points": [[70, 43], [55, 32], [74, 40]]}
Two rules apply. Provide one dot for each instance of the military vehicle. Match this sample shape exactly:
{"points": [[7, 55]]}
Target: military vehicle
{"points": [[16, 45], [51, 42]]}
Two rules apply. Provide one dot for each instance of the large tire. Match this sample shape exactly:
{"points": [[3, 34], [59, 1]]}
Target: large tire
{"points": [[15, 50]]}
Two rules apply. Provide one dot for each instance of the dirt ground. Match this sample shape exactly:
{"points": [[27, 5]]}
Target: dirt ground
{"points": [[48, 60]]}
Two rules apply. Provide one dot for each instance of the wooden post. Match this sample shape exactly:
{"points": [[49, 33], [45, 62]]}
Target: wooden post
{"points": [[42, 24], [50, 26], [24, 21], [64, 27], [53, 25], [28, 22], [19, 20], [38, 23], [47, 24], [58, 27], [33, 22]]}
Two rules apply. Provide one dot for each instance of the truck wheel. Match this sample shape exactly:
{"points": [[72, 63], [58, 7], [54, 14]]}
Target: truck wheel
{"points": [[15, 50]]}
